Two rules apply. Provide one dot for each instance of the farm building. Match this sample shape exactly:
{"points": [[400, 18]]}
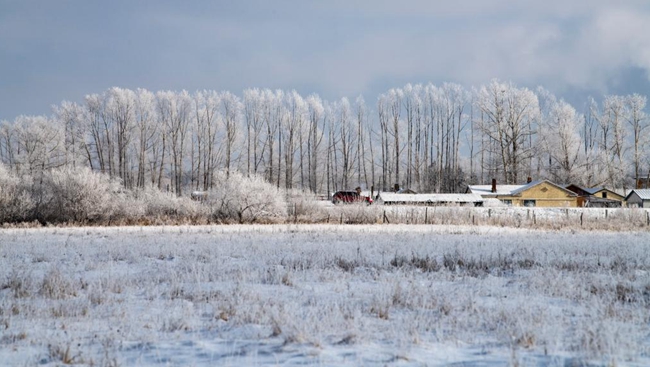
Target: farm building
{"points": [[639, 198], [542, 193], [391, 198], [596, 197]]}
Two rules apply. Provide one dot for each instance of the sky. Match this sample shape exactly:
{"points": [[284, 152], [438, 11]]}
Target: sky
{"points": [[51, 51]]}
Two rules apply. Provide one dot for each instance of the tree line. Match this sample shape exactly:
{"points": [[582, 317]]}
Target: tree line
{"points": [[425, 137]]}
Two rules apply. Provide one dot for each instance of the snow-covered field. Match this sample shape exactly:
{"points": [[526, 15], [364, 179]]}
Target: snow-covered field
{"points": [[323, 295]]}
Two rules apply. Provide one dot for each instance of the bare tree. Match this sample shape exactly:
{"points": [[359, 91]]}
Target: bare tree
{"points": [[231, 110], [174, 112], [510, 115], [315, 115], [636, 117], [560, 139], [297, 110]]}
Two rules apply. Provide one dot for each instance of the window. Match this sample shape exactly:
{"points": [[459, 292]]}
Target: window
{"points": [[507, 202], [529, 203], [604, 194]]}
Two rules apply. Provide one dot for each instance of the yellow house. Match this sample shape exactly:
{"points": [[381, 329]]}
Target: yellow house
{"points": [[541, 193]]}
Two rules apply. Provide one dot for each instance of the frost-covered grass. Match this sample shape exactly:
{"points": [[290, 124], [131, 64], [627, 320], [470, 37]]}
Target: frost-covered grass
{"points": [[323, 295]]}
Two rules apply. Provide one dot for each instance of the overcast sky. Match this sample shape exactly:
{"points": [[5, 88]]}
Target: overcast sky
{"points": [[52, 51]]}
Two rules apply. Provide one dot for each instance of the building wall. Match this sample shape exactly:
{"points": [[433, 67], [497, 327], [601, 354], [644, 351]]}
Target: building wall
{"points": [[634, 201], [610, 195], [545, 196]]}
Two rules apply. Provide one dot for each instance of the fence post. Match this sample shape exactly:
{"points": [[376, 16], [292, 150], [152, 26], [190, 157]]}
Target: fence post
{"points": [[581, 214], [605, 213], [426, 215], [341, 218]]}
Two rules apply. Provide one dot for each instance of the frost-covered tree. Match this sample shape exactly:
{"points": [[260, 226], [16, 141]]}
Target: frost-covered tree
{"points": [[16, 203], [315, 114], [174, 111], [231, 108], [246, 199], [638, 122], [146, 133], [510, 122], [78, 195], [559, 136]]}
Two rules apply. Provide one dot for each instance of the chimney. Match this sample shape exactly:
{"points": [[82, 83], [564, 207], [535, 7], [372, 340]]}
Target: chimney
{"points": [[494, 185], [529, 180]]}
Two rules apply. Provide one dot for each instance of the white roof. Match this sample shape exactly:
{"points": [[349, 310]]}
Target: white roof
{"points": [[644, 194], [430, 198], [501, 189], [486, 190]]}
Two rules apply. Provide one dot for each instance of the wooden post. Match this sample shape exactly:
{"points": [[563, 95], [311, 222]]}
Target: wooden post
{"points": [[647, 219], [295, 213], [581, 214], [605, 213], [426, 215], [489, 213], [341, 218], [473, 220]]}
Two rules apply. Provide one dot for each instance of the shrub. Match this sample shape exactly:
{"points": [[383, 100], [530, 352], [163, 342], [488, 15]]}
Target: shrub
{"points": [[152, 203], [15, 200], [304, 207], [245, 199], [78, 195]]}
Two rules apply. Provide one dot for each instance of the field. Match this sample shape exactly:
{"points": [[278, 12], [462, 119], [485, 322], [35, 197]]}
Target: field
{"points": [[334, 295]]}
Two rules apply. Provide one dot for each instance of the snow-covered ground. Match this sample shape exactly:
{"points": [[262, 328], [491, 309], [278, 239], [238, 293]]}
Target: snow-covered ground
{"points": [[323, 295]]}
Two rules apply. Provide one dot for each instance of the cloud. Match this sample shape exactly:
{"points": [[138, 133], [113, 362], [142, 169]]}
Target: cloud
{"points": [[335, 48]]}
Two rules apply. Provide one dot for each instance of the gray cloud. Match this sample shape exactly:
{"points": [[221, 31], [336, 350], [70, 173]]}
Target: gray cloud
{"points": [[53, 51]]}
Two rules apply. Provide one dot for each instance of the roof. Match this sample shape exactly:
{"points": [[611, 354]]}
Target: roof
{"points": [[593, 190], [430, 198], [578, 189], [406, 191], [644, 194], [512, 190], [487, 189]]}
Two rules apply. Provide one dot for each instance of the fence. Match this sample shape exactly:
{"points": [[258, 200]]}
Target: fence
{"points": [[551, 218]]}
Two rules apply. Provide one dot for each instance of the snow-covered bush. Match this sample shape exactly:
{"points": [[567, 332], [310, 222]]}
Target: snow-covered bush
{"points": [[16, 203], [245, 199], [304, 207], [359, 213], [78, 195], [153, 204]]}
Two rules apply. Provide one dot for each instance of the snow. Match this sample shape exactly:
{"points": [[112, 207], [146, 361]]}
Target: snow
{"points": [[644, 194], [486, 190], [330, 295], [429, 198]]}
